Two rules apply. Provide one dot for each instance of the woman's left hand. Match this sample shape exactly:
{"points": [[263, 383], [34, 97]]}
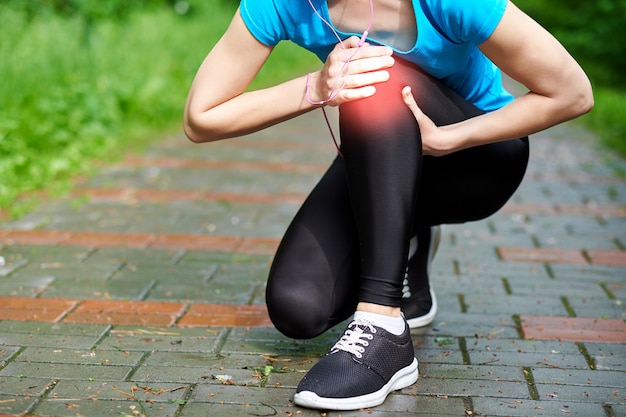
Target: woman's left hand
{"points": [[436, 141]]}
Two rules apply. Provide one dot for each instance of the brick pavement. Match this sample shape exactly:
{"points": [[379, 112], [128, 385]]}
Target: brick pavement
{"points": [[141, 292]]}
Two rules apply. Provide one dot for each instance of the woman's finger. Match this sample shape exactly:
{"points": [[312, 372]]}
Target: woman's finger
{"points": [[368, 78], [409, 100]]}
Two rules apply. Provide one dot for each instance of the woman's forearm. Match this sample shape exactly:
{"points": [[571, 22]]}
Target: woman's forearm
{"points": [[526, 115], [247, 112]]}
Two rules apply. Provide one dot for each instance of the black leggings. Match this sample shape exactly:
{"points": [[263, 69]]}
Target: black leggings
{"points": [[349, 241]]}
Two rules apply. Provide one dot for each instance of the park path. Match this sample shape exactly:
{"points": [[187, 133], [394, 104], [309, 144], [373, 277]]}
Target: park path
{"points": [[141, 292]]}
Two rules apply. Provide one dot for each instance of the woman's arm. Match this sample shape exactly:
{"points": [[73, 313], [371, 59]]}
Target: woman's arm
{"points": [[559, 89], [218, 107]]}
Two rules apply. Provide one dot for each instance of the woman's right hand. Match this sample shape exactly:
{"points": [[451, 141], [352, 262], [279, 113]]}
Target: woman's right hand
{"points": [[338, 82]]}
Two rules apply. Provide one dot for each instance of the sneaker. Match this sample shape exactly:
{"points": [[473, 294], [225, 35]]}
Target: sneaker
{"points": [[419, 305], [361, 369]]}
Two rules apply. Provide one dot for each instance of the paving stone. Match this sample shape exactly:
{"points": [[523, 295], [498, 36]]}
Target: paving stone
{"points": [[223, 293], [554, 288], [587, 273], [79, 288], [225, 315], [583, 378], [194, 374], [6, 353], [472, 325], [229, 410], [438, 356], [199, 259], [52, 329], [196, 292], [15, 405], [549, 360], [223, 394], [74, 271], [513, 304], [241, 273], [542, 255], [34, 237], [224, 410], [66, 371], [24, 386], [472, 388], [615, 257], [497, 407], [609, 363], [600, 395], [72, 356], [578, 329], [484, 286], [20, 286], [8, 267], [511, 271], [91, 408], [26, 308], [609, 357], [409, 402], [552, 347], [118, 391], [213, 363], [132, 258], [47, 340], [505, 372], [161, 274], [287, 371], [280, 400], [598, 307], [166, 339], [212, 242], [44, 256], [146, 313], [268, 341], [619, 410]]}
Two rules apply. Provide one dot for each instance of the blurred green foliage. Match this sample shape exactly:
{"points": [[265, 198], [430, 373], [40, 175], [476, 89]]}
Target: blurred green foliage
{"points": [[87, 80], [89, 9], [593, 32]]}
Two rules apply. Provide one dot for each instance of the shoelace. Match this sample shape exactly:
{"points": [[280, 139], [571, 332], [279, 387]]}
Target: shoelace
{"points": [[355, 339]]}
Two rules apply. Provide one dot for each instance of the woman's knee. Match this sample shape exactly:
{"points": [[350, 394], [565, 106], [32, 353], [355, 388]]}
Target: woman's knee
{"points": [[385, 106], [297, 315]]}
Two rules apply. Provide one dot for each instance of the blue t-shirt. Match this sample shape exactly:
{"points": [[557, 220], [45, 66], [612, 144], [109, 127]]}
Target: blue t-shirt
{"points": [[449, 32]]}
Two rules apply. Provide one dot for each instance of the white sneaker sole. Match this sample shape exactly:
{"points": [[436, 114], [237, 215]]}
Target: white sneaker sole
{"points": [[401, 379]]}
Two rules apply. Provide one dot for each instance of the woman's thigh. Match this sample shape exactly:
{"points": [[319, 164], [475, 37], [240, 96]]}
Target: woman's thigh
{"points": [[471, 184]]}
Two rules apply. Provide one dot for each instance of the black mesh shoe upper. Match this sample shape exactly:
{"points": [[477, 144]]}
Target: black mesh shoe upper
{"points": [[361, 362]]}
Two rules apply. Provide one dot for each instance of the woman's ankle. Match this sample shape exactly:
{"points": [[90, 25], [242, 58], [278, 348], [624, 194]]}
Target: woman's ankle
{"points": [[379, 309]]}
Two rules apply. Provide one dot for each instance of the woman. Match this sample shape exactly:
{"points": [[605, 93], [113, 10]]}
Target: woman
{"points": [[428, 136]]}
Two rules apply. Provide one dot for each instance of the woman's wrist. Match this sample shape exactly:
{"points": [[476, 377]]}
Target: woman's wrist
{"points": [[312, 94]]}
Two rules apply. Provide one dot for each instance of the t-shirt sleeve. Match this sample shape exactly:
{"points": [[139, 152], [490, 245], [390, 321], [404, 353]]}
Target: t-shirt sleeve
{"points": [[469, 21], [263, 21]]}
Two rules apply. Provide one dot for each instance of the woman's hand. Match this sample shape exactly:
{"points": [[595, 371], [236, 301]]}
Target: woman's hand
{"points": [[436, 141], [338, 82], [559, 89]]}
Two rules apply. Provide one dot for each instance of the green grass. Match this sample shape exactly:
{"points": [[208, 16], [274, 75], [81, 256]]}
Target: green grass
{"points": [[72, 96]]}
